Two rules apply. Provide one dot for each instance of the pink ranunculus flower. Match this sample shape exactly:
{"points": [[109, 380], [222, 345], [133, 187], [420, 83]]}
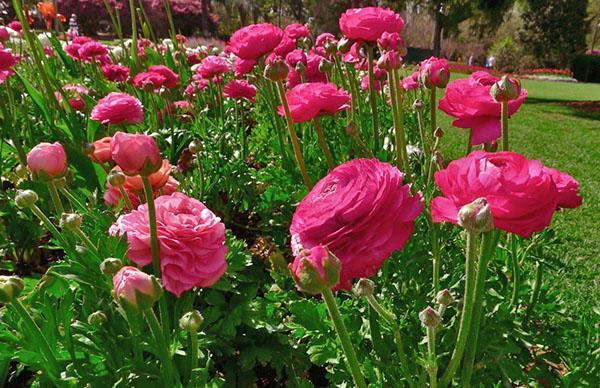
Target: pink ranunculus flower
{"points": [[171, 78], [294, 57], [284, 47], [309, 100], [241, 67], [148, 80], [255, 40], [568, 188], [361, 212], [47, 161], [195, 87], [315, 270], [72, 50], [311, 72], [7, 59], [191, 241], [369, 23], [73, 92], [15, 25], [240, 89], [135, 288], [135, 153], [470, 102], [92, 50], [391, 41], [118, 108], [101, 153], [522, 196], [4, 34], [115, 73], [212, 66], [324, 38], [434, 72], [380, 77], [411, 82], [296, 31]]}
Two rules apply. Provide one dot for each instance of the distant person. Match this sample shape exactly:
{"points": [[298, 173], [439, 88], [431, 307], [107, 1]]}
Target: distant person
{"points": [[471, 60], [490, 62]]}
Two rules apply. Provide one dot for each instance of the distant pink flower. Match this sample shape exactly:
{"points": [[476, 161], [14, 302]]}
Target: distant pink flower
{"points": [[72, 51], [568, 188], [242, 67], [7, 59], [353, 55], [411, 82], [148, 80], [470, 102], [81, 40], [15, 25], [181, 109], [115, 73], [311, 72], [324, 38], [92, 50], [240, 89], [255, 40], [361, 212], [4, 35], [171, 78], [195, 87], [294, 57], [369, 23], [380, 76], [296, 31], [117, 108], [135, 153], [391, 42], [435, 71], [47, 161], [191, 241], [212, 66], [522, 196], [309, 100], [286, 45], [73, 92]]}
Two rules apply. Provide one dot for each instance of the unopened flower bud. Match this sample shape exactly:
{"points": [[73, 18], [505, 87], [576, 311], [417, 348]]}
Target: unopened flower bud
{"points": [[476, 216], [276, 70], [21, 171], [438, 132], [10, 288], [389, 60], [417, 104], [88, 148], [429, 317], [444, 297], [61, 182], [352, 129], [135, 290], [111, 266], [300, 67], [506, 89], [364, 287], [70, 221], [215, 50], [195, 146], [96, 319], [116, 178], [491, 146], [325, 66], [344, 45], [191, 321], [437, 159], [26, 199], [316, 270]]}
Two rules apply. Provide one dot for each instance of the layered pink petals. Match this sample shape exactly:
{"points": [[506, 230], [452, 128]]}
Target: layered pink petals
{"points": [[521, 194], [135, 153], [240, 89], [254, 41], [568, 188], [212, 66], [47, 160], [470, 102], [307, 101], [191, 241], [171, 79], [369, 23], [361, 212], [117, 108]]}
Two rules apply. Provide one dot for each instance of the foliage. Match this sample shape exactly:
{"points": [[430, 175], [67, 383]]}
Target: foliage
{"points": [[586, 68]]}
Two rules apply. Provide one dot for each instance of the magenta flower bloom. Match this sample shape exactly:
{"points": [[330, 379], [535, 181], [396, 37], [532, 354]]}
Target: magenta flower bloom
{"points": [[361, 212], [92, 50], [309, 100], [241, 67], [171, 78], [240, 89], [284, 47], [135, 153], [294, 57], [255, 40], [296, 31], [148, 80], [411, 82], [568, 188], [324, 38], [311, 72], [15, 25], [212, 66], [470, 102], [47, 161], [191, 240], [117, 108], [73, 92], [521, 194], [115, 73], [369, 23], [7, 59], [4, 35]]}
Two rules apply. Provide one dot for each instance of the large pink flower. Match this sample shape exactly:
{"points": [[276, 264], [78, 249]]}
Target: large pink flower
{"points": [[367, 24], [307, 101], [117, 108], [361, 212], [47, 160], [115, 73], [521, 194], [470, 102], [568, 188], [255, 40], [148, 80], [171, 78], [212, 66], [240, 89], [242, 67], [191, 241], [296, 31]]}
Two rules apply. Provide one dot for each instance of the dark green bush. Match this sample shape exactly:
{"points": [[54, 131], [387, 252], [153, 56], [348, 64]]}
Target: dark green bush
{"points": [[586, 68]]}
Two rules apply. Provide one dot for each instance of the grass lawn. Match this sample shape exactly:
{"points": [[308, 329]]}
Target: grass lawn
{"points": [[566, 137]]}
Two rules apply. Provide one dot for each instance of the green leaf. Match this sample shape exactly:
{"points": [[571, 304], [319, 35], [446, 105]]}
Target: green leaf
{"points": [[37, 97]]}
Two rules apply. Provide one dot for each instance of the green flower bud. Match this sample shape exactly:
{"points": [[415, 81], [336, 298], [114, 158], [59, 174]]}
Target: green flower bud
{"points": [[506, 89], [364, 287], [476, 216], [10, 288], [195, 146], [116, 178], [344, 45], [111, 266], [429, 317], [444, 297], [325, 66], [276, 70], [70, 221], [96, 318], [300, 67], [417, 104], [316, 270], [191, 321], [438, 132], [26, 198]]}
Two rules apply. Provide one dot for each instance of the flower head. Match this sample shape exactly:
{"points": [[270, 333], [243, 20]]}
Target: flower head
{"points": [[136, 154], [117, 108], [47, 161], [369, 23], [255, 40], [307, 101]]}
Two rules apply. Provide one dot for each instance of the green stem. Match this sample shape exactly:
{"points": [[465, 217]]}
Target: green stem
{"points": [[34, 331], [293, 136], [126, 199], [488, 244], [342, 332], [398, 118], [537, 286], [58, 206], [87, 242], [134, 326], [435, 253], [515, 269], [193, 351], [49, 225], [163, 350], [201, 174], [432, 367], [134, 48], [373, 98], [323, 144], [504, 123], [467, 310], [469, 146], [433, 109]]}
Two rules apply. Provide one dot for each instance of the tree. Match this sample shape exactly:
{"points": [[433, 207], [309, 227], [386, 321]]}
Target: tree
{"points": [[554, 31]]}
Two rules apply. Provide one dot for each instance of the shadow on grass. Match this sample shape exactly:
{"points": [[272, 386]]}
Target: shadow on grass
{"points": [[589, 110]]}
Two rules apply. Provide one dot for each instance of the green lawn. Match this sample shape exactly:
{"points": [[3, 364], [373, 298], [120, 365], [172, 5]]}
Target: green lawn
{"points": [[567, 138]]}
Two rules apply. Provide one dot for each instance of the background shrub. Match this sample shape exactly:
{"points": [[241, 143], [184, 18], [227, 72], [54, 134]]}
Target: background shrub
{"points": [[586, 68]]}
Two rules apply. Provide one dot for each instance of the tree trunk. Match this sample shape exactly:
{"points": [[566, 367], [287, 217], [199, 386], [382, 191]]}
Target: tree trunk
{"points": [[437, 33], [204, 17]]}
